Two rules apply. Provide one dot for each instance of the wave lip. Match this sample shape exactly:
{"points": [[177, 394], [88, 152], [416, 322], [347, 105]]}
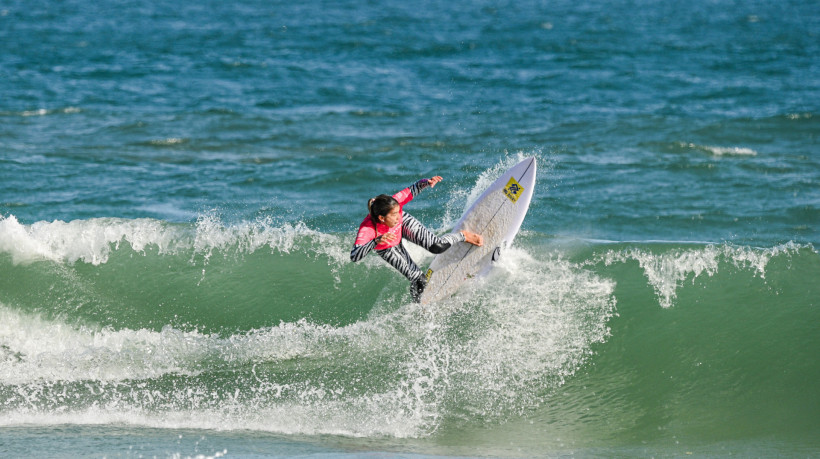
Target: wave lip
{"points": [[90, 241], [666, 271]]}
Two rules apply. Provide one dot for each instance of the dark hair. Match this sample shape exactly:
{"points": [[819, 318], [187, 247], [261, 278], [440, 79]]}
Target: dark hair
{"points": [[380, 206]]}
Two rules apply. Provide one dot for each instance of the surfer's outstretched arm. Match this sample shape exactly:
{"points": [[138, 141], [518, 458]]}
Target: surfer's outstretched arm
{"points": [[418, 186], [414, 189]]}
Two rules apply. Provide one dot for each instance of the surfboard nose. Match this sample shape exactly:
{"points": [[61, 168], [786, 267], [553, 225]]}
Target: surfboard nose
{"points": [[497, 214], [532, 163]]}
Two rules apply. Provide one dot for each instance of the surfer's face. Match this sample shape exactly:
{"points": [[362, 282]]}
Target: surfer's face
{"points": [[392, 217]]}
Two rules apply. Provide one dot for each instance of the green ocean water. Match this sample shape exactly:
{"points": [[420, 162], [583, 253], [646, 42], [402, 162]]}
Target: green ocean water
{"points": [[180, 187], [662, 346]]}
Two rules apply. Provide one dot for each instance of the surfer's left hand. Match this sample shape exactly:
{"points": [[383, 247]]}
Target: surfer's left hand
{"points": [[433, 180]]}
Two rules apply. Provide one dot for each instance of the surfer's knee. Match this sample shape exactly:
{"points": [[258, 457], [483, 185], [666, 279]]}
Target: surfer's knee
{"points": [[439, 247]]}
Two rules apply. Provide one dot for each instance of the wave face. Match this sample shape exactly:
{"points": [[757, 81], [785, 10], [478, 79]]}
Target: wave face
{"points": [[264, 327]]}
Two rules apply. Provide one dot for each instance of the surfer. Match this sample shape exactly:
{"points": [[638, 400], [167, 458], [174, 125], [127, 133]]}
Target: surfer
{"points": [[387, 224]]}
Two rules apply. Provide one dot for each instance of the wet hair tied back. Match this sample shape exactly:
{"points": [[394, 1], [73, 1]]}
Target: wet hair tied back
{"points": [[380, 206]]}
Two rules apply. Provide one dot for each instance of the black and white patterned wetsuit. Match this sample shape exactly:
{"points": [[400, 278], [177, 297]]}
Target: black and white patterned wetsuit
{"points": [[408, 227]]}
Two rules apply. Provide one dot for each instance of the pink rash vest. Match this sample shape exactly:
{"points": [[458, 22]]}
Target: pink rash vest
{"points": [[367, 232]]}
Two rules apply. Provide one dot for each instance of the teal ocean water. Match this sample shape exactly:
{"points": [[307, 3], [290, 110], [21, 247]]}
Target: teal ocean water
{"points": [[180, 187]]}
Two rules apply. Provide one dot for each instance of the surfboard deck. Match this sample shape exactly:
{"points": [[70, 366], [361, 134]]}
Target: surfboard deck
{"points": [[496, 215]]}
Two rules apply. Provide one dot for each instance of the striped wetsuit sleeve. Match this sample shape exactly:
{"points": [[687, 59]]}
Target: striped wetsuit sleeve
{"points": [[359, 251], [418, 186]]}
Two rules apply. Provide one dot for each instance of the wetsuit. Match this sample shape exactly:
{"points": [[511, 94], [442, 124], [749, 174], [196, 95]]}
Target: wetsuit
{"points": [[369, 238]]}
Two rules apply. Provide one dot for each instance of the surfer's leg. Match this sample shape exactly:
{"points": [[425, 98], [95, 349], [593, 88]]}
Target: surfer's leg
{"points": [[416, 288], [415, 232], [398, 257]]}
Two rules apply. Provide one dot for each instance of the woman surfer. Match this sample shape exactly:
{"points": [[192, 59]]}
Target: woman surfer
{"points": [[387, 224]]}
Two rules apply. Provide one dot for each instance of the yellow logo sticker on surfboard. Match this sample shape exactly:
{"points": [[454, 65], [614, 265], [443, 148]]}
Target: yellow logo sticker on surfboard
{"points": [[429, 274], [513, 190]]}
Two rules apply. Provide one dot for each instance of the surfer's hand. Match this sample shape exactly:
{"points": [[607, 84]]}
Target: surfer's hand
{"points": [[433, 180], [473, 238], [386, 237]]}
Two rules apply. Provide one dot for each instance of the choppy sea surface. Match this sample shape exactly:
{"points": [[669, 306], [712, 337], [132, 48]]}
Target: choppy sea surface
{"points": [[180, 187]]}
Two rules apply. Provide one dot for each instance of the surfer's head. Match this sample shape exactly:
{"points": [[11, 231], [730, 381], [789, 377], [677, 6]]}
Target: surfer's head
{"points": [[384, 209]]}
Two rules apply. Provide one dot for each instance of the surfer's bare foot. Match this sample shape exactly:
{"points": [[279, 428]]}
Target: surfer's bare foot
{"points": [[473, 238]]}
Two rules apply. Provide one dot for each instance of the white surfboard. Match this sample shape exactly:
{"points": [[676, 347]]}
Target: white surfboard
{"points": [[497, 215]]}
